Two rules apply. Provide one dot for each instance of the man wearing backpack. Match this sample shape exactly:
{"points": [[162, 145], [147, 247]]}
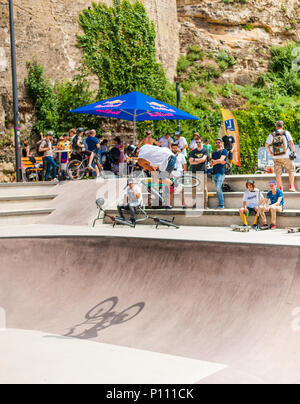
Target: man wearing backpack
{"points": [[284, 153], [77, 144], [46, 148]]}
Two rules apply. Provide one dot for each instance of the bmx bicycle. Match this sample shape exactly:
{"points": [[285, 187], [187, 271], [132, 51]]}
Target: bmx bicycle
{"points": [[79, 169]]}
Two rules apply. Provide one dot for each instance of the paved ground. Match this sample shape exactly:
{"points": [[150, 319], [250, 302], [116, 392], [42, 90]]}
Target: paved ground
{"points": [[184, 293], [206, 234]]}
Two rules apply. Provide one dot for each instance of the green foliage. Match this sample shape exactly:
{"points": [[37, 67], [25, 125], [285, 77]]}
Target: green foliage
{"points": [[183, 64], [53, 102], [119, 47], [42, 92]]}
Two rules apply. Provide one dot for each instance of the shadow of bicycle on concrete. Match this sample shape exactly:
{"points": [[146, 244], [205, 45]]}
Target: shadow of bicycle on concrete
{"points": [[103, 316]]}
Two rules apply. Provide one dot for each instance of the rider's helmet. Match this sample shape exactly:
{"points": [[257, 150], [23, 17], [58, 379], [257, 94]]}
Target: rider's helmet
{"points": [[132, 151], [79, 130]]}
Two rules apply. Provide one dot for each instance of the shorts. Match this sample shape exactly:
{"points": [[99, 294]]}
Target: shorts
{"points": [[251, 210], [286, 163], [171, 164]]}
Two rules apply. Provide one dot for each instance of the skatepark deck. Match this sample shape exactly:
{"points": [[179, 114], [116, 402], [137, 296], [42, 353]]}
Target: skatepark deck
{"points": [[229, 304]]}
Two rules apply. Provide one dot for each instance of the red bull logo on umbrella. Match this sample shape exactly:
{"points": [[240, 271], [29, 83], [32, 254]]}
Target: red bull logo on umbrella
{"points": [[111, 104], [160, 107]]}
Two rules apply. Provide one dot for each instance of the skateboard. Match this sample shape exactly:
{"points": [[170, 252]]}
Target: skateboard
{"points": [[240, 229], [119, 220], [293, 230]]}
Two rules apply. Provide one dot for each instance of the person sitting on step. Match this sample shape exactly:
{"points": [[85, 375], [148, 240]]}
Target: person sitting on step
{"points": [[251, 201]]}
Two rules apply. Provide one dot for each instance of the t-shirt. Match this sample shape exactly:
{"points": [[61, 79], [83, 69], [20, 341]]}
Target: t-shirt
{"points": [[252, 198], [196, 154], [132, 198], [182, 142], [44, 145], [219, 168], [287, 138], [179, 166], [208, 147], [274, 198], [65, 145], [92, 143], [229, 141], [165, 142], [156, 156]]}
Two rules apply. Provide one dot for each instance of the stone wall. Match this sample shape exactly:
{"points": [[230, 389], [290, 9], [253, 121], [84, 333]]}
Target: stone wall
{"points": [[46, 30], [246, 30]]}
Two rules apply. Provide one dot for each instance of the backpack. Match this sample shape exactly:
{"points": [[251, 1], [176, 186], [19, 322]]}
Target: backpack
{"points": [[278, 144], [115, 155], [74, 143], [38, 145]]}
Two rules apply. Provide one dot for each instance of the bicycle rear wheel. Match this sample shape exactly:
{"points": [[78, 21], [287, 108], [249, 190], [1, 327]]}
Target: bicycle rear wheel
{"points": [[76, 170]]}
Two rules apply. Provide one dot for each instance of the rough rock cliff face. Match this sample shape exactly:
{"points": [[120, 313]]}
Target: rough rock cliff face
{"points": [[46, 29], [246, 28]]}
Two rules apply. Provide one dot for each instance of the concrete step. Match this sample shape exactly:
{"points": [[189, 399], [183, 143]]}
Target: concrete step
{"points": [[238, 182], [23, 216], [27, 188], [233, 200], [25, 201], [211, 218]]}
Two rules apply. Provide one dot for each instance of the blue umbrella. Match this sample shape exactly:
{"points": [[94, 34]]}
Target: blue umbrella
{"points": [[135, 107]]}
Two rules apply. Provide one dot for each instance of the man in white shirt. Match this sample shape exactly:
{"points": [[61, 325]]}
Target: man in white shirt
{"points": [[193, 144], [180, 169], [182, 143], [153, 159], [284, 152], [133, 199], [166, 141], [251, 202]]}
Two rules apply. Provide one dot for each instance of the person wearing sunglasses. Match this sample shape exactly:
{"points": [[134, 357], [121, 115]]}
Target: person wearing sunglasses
{"points": [[218, 162]]}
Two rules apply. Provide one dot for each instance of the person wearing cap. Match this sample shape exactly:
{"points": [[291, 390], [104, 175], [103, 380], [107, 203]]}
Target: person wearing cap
{"points": [[281, 146], [148, 140], [251, 201], [273, 203], [166, 141], [182, 143], [47, 149], [132, 200]]}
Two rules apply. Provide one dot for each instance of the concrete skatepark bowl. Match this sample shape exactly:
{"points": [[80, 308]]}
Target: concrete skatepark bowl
{"points": [[228, 304]]}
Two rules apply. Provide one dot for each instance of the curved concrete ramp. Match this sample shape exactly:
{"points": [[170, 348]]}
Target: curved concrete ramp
{"points": [[235, 305]]}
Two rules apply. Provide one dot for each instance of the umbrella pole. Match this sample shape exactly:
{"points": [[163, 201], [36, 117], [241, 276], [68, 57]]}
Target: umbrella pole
{"points": [[134, 127]]}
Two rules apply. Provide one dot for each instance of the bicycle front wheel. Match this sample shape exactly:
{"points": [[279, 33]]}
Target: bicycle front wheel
{"points": [[76, 170]]}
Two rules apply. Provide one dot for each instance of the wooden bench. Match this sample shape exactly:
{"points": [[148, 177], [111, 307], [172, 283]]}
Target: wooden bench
{"points": [[27, 165]]}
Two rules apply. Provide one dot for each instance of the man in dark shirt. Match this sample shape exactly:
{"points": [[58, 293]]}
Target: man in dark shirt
{"points": [[198, 161], [229, 145], [218, 162]]}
